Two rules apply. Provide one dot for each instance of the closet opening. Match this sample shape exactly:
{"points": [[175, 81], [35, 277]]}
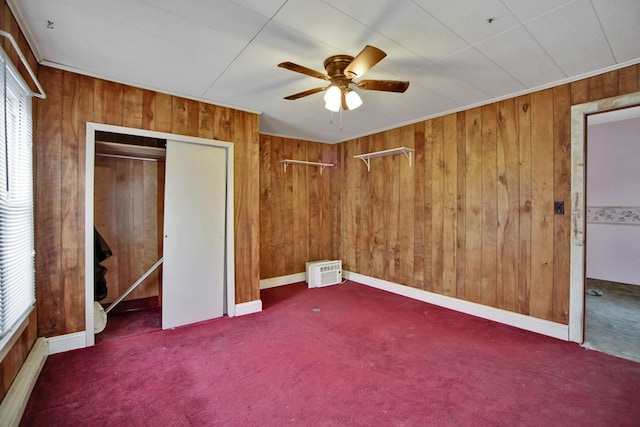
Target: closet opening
{"points": [[129, 173], [159, 196]]}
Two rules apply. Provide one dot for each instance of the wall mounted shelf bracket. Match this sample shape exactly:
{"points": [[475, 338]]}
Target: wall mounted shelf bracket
{"points": [[322, 166], [366, 158]]}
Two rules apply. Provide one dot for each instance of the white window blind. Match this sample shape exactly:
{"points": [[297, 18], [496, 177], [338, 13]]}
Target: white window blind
{"points": [[17, 276]]}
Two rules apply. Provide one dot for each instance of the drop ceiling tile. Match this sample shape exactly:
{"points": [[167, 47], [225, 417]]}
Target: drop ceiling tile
{"points": [[225, 16], [527, 10], [439, 80], [567, 33], [221, 27], [428, 102], [255, 74], [227, 51], [621, 26], [517, 52], [477, 70], [468, 18], [407, 24], [320, 21], [265, 8]]}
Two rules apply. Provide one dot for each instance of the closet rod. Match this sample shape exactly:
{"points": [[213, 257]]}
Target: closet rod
{"points": [[40, 95]]}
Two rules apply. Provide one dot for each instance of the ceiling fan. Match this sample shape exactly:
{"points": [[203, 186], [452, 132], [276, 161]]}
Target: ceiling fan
{"points": [[341, 70]]}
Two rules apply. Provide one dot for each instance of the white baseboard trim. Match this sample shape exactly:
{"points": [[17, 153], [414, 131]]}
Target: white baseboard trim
{"points": [[250, 307], [67, 342], [282, 280], [15, 401], [529, 323]]}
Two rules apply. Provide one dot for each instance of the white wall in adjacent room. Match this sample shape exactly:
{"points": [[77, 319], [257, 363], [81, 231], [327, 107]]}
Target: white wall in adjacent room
{"points": [[613, 182]]}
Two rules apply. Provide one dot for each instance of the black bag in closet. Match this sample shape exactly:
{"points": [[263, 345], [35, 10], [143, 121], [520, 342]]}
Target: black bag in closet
{"points": [[101, 251]]}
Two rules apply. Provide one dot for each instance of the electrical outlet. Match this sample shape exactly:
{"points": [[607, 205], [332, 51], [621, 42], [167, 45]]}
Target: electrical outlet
{"points": [[558, 208]]}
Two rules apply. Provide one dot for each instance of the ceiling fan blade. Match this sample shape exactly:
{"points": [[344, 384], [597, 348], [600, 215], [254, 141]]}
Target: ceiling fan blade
{"points": [[366, 59], [305, 93], [303, 70], [384, 85]]}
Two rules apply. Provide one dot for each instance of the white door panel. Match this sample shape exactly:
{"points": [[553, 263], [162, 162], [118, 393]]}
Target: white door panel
{"points": [[193, 284]]}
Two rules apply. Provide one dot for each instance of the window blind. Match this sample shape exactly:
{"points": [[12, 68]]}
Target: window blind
{"points": [[17, 275]]}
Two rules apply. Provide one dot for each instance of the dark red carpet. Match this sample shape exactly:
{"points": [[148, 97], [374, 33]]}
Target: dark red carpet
{"points": [[337, 356]]}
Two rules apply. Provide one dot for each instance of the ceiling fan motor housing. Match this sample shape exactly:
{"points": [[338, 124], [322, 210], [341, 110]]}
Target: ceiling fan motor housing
{"points": [[335, 66]]}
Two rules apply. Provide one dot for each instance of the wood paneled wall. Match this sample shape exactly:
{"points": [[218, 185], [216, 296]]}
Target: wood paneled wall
{"points": [[472, 219], [72, 100], [12, 362], [299, 211], [128, 196]]}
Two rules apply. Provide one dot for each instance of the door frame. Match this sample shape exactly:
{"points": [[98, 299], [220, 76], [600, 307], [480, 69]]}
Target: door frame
{"points": [[91, 128], [579, 115]]}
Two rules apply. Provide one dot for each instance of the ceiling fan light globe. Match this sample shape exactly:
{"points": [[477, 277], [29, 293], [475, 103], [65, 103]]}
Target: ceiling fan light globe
{"points": [[353, 100], [332, 107], [332, 96]]}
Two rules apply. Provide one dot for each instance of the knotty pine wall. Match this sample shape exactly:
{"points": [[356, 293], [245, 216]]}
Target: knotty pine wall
{"points": [[472, 219], [72, 100], [12, 362], [299, 209], [129, 215]]}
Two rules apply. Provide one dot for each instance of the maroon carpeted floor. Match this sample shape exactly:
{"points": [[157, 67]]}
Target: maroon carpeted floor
{"points": [[337, 356]]}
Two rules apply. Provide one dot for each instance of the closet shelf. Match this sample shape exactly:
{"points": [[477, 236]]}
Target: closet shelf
{"points": [[305, 163], [366, 158]]}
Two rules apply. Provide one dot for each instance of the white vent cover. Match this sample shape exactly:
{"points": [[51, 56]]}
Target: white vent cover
{"points": [[308, 266], [325, 273]]}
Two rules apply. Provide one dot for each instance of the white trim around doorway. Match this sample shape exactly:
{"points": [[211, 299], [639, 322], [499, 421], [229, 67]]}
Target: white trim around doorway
{"points": [[89, 213], [579, 115]]}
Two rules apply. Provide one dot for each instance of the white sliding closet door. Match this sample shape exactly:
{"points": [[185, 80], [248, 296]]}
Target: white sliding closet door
{"points": [[193, 283]]}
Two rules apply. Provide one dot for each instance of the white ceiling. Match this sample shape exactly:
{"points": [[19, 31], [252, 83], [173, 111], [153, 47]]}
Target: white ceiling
{"points": [[226, 51]]}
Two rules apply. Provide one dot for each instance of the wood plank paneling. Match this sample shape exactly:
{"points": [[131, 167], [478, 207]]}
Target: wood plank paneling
{"points": [[361, 218], [392, 213], [562, 193], [376, 209], [473, 205], [50, 295], [418, 208], [483, 186], [247, 199], [508, 182], [296, 217], [437, 204], [266, 214], [70, 251], [524, 243], [127, 194], [450, 205], [461, 131], [542, 192], [489, 205], [426, 229], [406, 219], [628, 80], [59, 161]]}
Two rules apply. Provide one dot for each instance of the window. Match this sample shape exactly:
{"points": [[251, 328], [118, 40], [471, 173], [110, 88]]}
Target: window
{"points": [[17, 276]]}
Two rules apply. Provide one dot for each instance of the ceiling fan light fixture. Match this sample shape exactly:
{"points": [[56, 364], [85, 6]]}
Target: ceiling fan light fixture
{"points": [[353, 100], [332, 98]]}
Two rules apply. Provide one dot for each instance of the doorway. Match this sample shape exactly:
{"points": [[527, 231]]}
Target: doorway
{"points": [[577, 293], [129, 189], [228, 280], [612, 302]]}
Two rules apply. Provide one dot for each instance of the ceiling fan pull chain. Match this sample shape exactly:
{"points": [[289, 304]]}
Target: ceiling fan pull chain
{"points": [[341, 119]]}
